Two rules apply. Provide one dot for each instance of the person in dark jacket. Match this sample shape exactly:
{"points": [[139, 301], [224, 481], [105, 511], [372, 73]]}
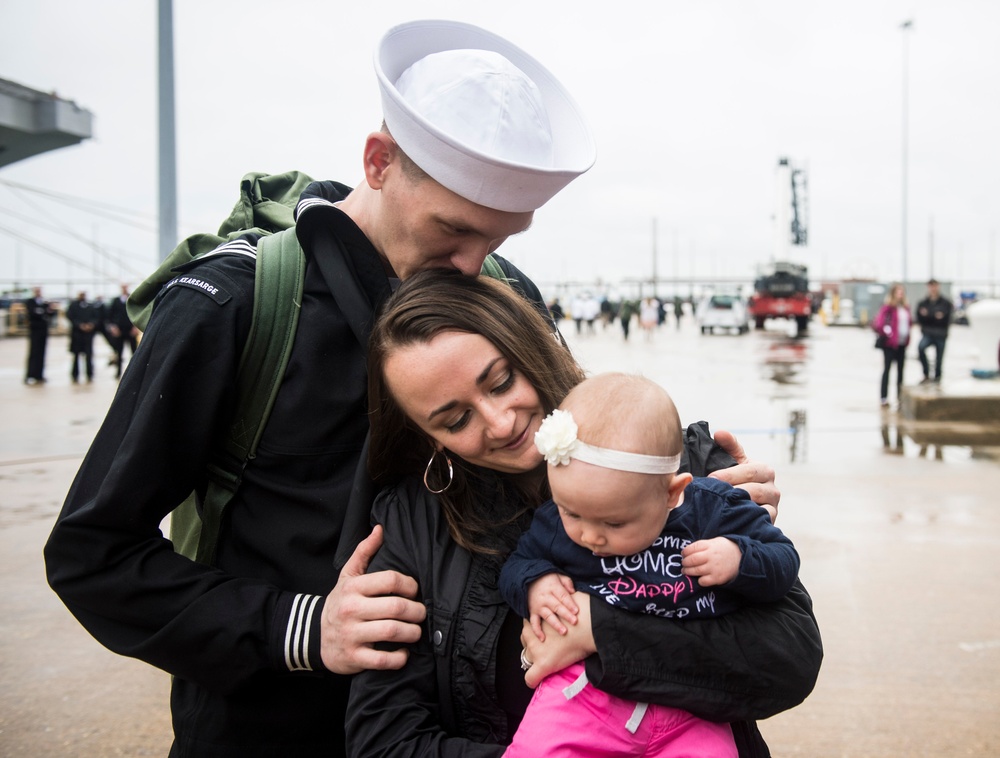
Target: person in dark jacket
{"points": [[84, 318], [626, 310], [556, 311], [934, 317], [101, 327], [40, 313], [452, 443], [121, 330]]}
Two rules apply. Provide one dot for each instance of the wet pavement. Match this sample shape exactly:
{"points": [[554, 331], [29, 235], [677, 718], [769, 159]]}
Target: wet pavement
{"points": [[895, 523]]}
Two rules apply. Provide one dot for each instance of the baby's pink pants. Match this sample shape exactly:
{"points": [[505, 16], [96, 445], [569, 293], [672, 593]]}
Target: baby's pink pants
{"points": [[572, 718]]}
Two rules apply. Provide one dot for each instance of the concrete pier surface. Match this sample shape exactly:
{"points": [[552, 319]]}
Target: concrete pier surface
{"points": [[894, 517]]}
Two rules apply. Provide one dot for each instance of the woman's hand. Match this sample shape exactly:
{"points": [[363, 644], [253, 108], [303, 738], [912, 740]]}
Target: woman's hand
{"points": [[756, 478], [558, 651]]}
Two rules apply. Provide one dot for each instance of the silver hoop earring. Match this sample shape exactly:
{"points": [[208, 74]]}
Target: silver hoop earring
{"points": [[451, 473]]}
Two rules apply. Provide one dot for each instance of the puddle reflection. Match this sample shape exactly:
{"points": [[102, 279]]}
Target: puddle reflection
{"points": [[935, 441], [784, 360], [783, 363]]}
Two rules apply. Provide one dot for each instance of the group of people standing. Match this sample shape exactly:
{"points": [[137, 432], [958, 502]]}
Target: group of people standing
{"points": [[585, 310], [87, 319], [893, 324]]}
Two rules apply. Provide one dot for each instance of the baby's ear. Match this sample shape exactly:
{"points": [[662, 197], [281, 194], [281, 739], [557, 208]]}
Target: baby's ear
{"points": [[677, 485]]}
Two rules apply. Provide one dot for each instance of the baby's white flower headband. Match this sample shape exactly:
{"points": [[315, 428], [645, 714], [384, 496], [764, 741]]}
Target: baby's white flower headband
{"points": [[556, 440]]}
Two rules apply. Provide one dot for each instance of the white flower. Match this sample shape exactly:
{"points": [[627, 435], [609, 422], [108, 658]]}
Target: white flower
{"points": [[556, 438]]}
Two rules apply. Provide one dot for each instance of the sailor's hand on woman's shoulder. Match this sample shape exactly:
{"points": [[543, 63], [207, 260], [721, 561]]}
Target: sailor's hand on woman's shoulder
{"points": [[366, 609]]}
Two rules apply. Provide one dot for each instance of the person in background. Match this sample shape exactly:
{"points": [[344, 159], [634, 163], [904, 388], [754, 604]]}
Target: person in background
{"points": [[556, 312], [649, 316], [102, 323], [578, 312], [934, 317], [607, 312], [591, 311], [627, 310], [626, 528], [121, 329], [892, 325], [40, 314], [84, 318]]}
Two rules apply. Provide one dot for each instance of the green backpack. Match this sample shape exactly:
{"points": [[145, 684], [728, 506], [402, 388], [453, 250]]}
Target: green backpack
{"points": [[266, 206]]}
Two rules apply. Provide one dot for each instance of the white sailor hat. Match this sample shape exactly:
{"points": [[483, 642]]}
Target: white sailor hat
{"points": [[479, 115]]}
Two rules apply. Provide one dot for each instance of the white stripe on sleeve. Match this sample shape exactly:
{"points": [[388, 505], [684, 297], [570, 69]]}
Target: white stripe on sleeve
{"points": [[297, 633]]}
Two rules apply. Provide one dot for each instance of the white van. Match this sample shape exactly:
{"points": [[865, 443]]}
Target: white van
{"points": [[726, 312]]}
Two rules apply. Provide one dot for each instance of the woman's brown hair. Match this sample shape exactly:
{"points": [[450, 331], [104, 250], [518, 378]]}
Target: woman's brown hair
{"points": [[890, 296], [436, 301]]}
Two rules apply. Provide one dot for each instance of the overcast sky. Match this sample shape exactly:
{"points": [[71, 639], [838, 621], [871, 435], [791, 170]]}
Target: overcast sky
{"points": [[692, 104]]}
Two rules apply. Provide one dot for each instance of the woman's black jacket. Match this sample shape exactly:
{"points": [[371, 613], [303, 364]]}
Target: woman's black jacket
{"points": [[744, 666]]}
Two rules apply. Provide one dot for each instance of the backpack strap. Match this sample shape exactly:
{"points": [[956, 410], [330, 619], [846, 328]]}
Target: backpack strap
{"points": [[278, 285], [332, 261]]}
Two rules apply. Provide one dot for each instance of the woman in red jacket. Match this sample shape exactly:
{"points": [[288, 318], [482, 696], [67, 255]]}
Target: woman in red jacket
{"points": [[892, 324]]}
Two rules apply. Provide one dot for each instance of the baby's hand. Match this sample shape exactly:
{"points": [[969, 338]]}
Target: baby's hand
{"points": [[715, 561], [550, 600]]}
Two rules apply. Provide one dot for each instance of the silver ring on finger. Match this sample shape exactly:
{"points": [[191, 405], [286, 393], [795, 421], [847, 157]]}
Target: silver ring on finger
{"points": [[525, 663]]}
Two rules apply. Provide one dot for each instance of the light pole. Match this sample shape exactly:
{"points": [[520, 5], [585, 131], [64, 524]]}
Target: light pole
{"points": [[167, 142], [906, 26]]}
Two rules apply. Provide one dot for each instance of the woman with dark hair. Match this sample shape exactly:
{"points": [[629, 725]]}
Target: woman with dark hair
{"points": [[461, 373], [449, 305]]}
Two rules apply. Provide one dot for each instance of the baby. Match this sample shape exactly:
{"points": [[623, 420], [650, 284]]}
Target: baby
{"points": [[624, 526]]}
